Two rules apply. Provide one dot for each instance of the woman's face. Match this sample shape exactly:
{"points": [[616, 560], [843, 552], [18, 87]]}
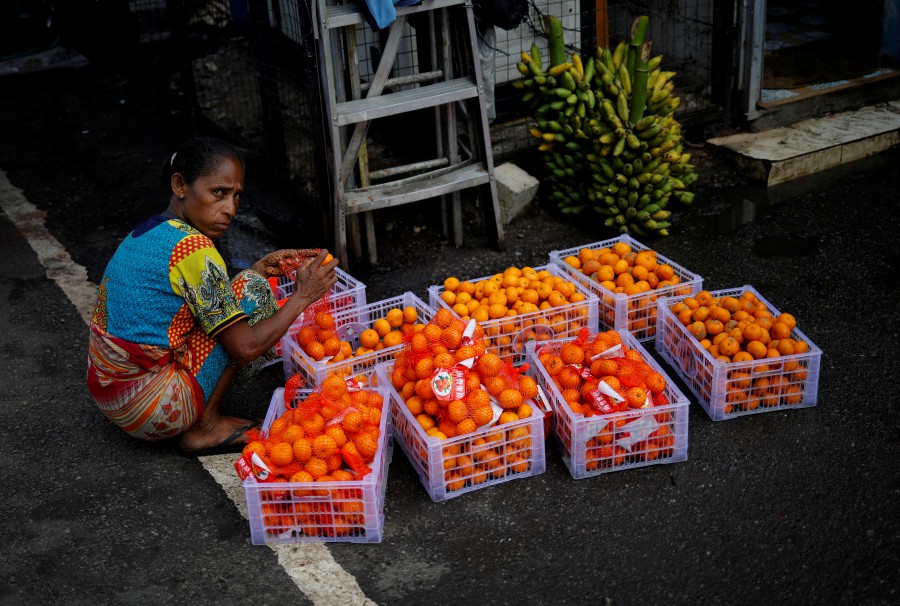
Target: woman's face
{"points": [[211, 202]]}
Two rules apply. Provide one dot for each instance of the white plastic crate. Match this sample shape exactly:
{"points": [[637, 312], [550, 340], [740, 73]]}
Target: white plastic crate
{"points": [[317, 512], [634, 313], [346, 293], [349, 324], [508, 336], [728, 390], [453, 467], [600, 444]]}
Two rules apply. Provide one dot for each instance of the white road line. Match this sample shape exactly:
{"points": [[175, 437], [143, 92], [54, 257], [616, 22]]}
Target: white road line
{"points": [[70, 276], [310, 566]]}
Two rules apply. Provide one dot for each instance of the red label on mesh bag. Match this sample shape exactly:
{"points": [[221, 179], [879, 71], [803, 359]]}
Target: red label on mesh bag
{"points": [[602, 403], [449, 383]]}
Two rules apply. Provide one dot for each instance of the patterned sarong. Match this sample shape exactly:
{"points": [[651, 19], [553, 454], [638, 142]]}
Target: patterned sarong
{"points": [[151, 392]]}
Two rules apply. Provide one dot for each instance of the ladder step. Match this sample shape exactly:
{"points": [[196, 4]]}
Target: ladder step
{"points": [[431, 95], [420, 187], [342, 15]]}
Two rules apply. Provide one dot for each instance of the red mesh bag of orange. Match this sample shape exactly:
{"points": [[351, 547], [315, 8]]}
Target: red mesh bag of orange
{"points": [[452, 385], [598, 374], [331, 434]]}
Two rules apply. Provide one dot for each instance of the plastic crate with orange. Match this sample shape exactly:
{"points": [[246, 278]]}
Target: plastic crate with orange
{"points": [[350, 324], [347, 292], [316, 512], [634, 312], [757, 383], [455, 466], [636, 437], [508, 335]]}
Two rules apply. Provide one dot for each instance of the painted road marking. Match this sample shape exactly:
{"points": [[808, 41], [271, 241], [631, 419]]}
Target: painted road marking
{"points": [[310, 566]]}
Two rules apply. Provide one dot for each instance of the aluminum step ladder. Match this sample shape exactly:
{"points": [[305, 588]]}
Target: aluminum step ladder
{"points": [[451, 86]]}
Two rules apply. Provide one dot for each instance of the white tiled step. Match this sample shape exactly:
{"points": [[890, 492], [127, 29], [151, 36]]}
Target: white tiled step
{"points": [[814, 145]]}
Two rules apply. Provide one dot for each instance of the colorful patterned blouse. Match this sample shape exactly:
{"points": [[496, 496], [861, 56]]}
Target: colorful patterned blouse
{"points": [[167, 286]]}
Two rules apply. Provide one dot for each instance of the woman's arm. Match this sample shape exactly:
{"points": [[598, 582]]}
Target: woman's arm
{"points": [[245, 343]]}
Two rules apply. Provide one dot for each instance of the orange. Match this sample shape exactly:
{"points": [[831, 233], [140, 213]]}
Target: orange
{"points": [[451, 284], [656, 383], [393, 338], [756, 349], [565, 288], [281, 454], [713, 326], [323, 446], [489, 365], [636, 397], [704, 298], [729, 346], [410, 314], [571, 353], [451, 337], [786, 346], [621, 248], [394, 317], [254, 446], [302, 450], [448, 297], [425, 421], [719, 313], [573, 261], [381, 326], [556, 299], [510, 398], [305, 335], [334, 387], [442, 318], [731, 304], [780, 330], [787, 319], [332, 346], [664, 272], [466, 287], [316, 467], [528, 387], [324, 320], [369, 338], [698, 330], [315, 350]]}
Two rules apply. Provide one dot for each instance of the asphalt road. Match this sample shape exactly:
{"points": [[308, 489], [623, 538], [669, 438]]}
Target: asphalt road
{"points": [[794, 507]]}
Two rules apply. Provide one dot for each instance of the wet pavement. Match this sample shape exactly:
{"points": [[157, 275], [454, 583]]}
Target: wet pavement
{"points": [[787, 507]]}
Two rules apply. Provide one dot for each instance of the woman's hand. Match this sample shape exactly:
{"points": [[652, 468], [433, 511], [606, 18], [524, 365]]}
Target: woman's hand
{"points": [[244, 343], [314, 278]]}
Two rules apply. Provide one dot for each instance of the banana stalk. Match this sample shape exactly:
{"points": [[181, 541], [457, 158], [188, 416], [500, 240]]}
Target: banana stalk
{"points": [[555, 41], [638, 33], [639, 86]]}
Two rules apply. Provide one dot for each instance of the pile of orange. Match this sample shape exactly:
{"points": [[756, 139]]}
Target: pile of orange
{"points": [[439, 345], [332, 436], [738, 329], [319, 340], [576, 368], [515, 291], [623, 270], [310, 443], [742, 329], [638, 275], [491, 453], [502, 301]]}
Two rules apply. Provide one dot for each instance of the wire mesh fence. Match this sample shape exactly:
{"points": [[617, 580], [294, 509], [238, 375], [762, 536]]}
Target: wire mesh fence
{"points": [[250, 68]]}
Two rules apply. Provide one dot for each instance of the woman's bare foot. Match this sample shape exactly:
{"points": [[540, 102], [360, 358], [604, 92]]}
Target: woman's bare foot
{"points": [[214, 432]]}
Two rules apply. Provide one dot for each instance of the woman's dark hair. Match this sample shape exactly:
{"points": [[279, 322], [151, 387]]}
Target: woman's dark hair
{"points": [[196, 157]]}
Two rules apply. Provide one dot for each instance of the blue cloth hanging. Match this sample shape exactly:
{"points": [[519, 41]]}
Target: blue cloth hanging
{"points": [[380, 14]]}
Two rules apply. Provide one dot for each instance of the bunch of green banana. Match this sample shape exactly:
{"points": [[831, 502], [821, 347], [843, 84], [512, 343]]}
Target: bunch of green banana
{"points": [[561, 98], [608, 134]]}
